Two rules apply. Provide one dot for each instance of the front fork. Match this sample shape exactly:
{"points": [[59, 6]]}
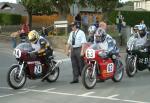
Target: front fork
{"points": [[135, 59], [94, 69], [21, 69]]}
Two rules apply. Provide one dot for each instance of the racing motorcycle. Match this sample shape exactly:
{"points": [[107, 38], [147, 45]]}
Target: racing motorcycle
{"points": [[100, 66], [32, 66], [138, 57]]}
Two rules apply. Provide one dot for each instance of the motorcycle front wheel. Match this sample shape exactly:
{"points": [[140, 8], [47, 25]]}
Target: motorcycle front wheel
{"points": [[54, 74], [88, 79], [13, 78], [119, 71], [131, 66]]}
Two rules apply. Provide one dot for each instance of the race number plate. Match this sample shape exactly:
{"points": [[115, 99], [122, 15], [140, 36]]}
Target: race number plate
{"points": [[37, 68], [90, 53], [110, 67]]}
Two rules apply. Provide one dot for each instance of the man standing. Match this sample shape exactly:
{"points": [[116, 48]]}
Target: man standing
{"points": [[74, 49]]}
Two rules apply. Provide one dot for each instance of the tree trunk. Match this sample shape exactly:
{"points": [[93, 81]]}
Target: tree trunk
{"points": [[30, 20]]}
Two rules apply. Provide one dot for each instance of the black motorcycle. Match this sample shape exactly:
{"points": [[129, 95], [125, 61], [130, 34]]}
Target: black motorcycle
{"points": [[138, 57]]}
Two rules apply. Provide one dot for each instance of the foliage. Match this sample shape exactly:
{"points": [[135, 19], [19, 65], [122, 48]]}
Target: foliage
{"points": [[9, 19], [131, 17], [105, 5]]}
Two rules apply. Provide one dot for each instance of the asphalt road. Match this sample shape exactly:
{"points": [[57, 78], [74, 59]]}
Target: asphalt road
{"points": [[129, 90]]}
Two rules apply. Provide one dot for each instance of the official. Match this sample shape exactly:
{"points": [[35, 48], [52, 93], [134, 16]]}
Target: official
{"points": [[75, 43]]}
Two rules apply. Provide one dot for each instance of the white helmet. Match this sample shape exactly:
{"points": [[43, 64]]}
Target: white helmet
{"points": [[92, 29]]}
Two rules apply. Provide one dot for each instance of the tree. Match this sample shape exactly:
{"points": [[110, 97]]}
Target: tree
{"points": [[62, 6], [105, 5], [36, 6]]}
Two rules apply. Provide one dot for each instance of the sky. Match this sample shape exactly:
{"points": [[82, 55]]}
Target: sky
{"points": [[14, 1]]}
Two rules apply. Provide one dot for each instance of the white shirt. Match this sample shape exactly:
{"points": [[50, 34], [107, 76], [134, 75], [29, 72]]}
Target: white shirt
{"points": [[79, 38]]}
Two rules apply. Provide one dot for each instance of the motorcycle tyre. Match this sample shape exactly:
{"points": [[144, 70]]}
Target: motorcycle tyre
{"points": [[53, 80], [9, 81], [83, 75]]}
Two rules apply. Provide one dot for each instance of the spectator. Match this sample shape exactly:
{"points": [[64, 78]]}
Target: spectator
{"points": [[14, 38], [85, 23], [24, 32], [94, 19], [44, 32], [120, 23], [76, 42], [103, 25], [78, 19], [143, 24], [25, 29]]}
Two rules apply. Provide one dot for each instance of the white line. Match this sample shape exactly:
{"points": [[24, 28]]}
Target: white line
{"points": [[5, 88], [23, 92], [86, 94], [6, 95], [112, 96], [41, 91], [49, 89]]}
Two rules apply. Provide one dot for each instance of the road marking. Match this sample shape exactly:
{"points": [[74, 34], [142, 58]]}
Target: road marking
{"points": [[112, 96], [23, 92], [6, 95], [49, 89], [5, 88], [86, 94]]}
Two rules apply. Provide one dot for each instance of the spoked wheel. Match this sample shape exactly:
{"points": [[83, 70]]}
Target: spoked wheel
{"points": [[13, 78], [119, 71], [54, 74], [88, 78], [131, 67]]}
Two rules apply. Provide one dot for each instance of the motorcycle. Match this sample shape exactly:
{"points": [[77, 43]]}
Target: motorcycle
{"points": [[100, 66], [138, 57], [31, 66]]}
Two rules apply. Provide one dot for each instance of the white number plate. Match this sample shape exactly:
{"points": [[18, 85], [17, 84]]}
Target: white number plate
{"points": [[90, 53], [110, 67]]}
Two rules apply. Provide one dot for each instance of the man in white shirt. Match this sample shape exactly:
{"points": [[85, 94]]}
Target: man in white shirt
{"points": [[75, 43]]}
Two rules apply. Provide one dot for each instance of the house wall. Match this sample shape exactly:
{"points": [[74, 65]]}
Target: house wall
{"points": [[148, 5], [142, 4]]}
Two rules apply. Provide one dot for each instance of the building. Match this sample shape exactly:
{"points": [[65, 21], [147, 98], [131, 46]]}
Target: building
{"points": [[12, 8], [142, 5]]}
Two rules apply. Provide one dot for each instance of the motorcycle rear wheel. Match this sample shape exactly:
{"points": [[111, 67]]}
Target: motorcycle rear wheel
{"points": [[12, 77], [130, 68], [87, 77], [54, 74]]}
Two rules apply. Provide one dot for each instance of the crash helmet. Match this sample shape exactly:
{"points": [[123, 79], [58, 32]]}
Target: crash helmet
{"points": [[100, 35], [33, 36], [142, 30], [92, 29]]}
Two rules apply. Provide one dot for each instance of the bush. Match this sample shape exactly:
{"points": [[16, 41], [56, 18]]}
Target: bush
{"points": [[131, 17], [9, 19]]}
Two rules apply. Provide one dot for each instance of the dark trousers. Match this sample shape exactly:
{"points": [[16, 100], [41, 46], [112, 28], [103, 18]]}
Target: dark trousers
{"points": [[77, 62]]}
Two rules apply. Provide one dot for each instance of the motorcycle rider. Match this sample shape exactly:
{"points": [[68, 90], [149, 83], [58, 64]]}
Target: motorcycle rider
{"points": [[105, 42], [91, 31], [40, 45], [142, 36]]}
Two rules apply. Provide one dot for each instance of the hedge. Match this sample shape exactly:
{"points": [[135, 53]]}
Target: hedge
{"points": [[9, 19], [131, 17]]}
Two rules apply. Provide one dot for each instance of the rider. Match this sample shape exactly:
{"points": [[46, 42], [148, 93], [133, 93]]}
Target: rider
{"points": [[105, 42], [39, 44], [91, 31], [142, 37]]}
